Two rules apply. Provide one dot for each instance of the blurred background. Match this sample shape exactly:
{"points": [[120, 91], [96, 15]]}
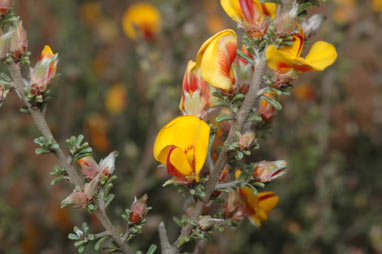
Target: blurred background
{"points": [[118, 91]]}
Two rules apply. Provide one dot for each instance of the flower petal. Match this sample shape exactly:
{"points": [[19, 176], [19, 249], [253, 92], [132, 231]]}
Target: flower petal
{"points": [[216, 57], [188, 133], [267, 201], [177, 160], [232, 8], [269, 9], [321, 55]]}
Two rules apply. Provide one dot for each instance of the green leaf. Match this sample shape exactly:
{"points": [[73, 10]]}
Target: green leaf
{"points": [[98, 244], [273, 102], [109, 199], [255, 118], [79, 243], [81, 249], [72, 236], [247, 58], [152, 249], [237, 97], [223, 118], [54, 181]]}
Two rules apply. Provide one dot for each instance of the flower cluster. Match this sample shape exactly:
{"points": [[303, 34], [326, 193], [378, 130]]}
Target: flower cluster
{"points": [[217, 82]]}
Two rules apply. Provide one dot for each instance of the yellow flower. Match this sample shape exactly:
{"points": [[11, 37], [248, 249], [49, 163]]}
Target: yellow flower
{"points": [[250, 14], [320, 56], [116, 97], [377, 5], [182, 145], [258, 206], [143, 18], [215, 59]]}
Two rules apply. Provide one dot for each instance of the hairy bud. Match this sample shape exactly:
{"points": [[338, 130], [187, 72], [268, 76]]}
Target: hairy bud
{"points": [[138, 210], [91, 188], [43, 74], [266, 171], [88, 167], [107, 165], [19, 42], [77, 199], [286, 23], [311, 25], [246, 139], [5, 44]]}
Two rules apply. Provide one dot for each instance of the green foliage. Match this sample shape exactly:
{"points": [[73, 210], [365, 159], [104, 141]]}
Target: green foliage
{"points": [[77, 148]]}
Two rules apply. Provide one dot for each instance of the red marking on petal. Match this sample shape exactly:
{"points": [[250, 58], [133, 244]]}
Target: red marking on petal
{"points": [[246, 7], [262, 198], [277, 172], [171, 169], [226, 60]]}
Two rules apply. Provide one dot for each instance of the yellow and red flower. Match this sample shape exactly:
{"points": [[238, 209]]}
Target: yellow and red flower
{"points": [[182, 145], [142, 19], [286, 59], [215, 59], [196, 93], [250, 14], [5, 6]]}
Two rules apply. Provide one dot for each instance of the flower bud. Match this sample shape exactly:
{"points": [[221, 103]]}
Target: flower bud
{"points": [[266, 171], [311, 26], [5, 6], [286, 23], [138, 210], [91, 188], [107, 165], [19, 42], [77, 199], [246, 139], [88, 167], [42, 75], [5, 44], [234, 207]]}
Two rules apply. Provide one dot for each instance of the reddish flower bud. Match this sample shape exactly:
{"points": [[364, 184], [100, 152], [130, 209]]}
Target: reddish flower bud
{"points": [[88, 167], [19, 42], [246, 139], [206, 223], [266, 171], [138, 210], [43, 74], [107, 165], [5, 6], [77, 199]]}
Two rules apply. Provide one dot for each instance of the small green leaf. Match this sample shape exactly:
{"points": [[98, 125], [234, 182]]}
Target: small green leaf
{"points": [[109, 199], [255, 118], [152, 249], [79, 243], [98, 244], [223, 118], [273, 102], [54, 181], [81, 249], [72, 236], [237, 97], [244, 56]]}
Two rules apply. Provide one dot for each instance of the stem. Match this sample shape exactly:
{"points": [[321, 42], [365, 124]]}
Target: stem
{"points": [[248, 104], [74, 177], [226, 185], [165, 244]]}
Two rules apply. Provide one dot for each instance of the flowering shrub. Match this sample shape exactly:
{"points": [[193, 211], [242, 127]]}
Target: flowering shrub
{"points": [[230, 96]]}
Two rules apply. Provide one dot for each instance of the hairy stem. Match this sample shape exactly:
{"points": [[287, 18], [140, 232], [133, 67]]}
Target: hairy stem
{"points": [[165, 244], [65, 161]]}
